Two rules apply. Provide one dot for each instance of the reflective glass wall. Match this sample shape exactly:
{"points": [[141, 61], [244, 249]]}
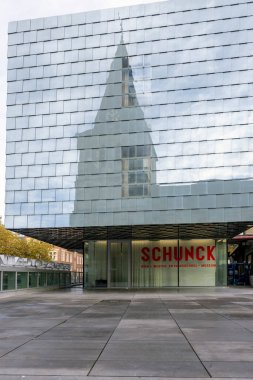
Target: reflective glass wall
{"points": [[132, 115]]}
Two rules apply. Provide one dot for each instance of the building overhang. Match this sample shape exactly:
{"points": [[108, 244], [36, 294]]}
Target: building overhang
{"points": [[72, 238]]}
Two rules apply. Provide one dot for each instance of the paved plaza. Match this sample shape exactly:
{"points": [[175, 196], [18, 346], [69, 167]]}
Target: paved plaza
{"points": [[146, 334]]}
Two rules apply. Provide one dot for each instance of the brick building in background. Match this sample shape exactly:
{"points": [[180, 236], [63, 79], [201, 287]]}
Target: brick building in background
{"points": [[63, 256]]}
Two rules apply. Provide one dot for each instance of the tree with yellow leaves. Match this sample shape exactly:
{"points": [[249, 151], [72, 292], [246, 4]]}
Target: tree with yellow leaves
{"points": [[38, 250], [12, 244], [9, 243]]}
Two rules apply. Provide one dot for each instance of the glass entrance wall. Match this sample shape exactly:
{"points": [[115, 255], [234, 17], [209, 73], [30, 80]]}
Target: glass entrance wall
{"points": [[157, 263], [197, 265], [96, 263], [153, 264], [119, 254]]}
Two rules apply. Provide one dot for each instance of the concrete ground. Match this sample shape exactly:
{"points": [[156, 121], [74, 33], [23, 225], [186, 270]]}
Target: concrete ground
{"points": [[146, 334]]}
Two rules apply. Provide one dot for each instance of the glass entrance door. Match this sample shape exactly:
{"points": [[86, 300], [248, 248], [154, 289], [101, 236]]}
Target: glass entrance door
{"points": [[119, 264]]}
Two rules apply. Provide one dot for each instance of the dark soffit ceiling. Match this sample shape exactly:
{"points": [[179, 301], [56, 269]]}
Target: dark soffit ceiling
{"points": [[72, 237]]}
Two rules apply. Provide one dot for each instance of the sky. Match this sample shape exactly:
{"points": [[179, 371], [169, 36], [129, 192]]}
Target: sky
{"points": [[13, 10]]}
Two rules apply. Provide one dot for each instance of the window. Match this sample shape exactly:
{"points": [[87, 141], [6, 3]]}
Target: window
{"points": [[136, 171], [128, 90]]}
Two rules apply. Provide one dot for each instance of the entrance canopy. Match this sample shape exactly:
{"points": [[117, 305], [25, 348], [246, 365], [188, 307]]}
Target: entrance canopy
{"points": [[73, 237]]}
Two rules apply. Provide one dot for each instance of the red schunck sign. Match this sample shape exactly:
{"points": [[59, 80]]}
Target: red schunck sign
{"points": [[190, 253]]}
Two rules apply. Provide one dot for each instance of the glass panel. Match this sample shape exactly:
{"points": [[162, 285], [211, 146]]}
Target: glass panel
{"points": [[50, 279], [135, 190], [73, 278], [33, 276], [154, 263], [142, 177], [9, 280], [202, 263], [56, 279], [136, 164], [125, 63], [128, 90], [22, 280], [95, 263], [146, 190], [68, 278], [63, 279], [42, 279], [80, 278], [132, 177], [132, 165], [119, 263], [221, 262]]}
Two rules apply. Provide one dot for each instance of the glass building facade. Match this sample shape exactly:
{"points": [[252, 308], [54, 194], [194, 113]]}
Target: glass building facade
{"points": [[129, 136]]}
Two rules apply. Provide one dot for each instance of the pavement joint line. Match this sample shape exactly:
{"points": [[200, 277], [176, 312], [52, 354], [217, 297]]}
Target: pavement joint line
{"points": [[85, 377], [226, 317], [182, 332], [37, 336], [6, 353], [62, 322], [129, 303]]}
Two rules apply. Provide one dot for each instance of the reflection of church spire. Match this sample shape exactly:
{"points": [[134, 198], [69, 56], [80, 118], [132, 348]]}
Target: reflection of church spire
{"points": [[117, 155], [121, 29], [120, 91]]}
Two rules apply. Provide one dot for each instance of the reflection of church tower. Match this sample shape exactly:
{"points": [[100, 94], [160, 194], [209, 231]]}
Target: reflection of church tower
{"points": [[117, 155], [137, 171]]}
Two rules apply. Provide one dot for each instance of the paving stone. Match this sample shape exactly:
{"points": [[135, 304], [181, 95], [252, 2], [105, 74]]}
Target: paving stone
{"points": [[149, 368], [196, 323], [226, 352], [148, 333], [235, 370], [148, 351], [142, 323], [220, 334], [38, 366]]}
